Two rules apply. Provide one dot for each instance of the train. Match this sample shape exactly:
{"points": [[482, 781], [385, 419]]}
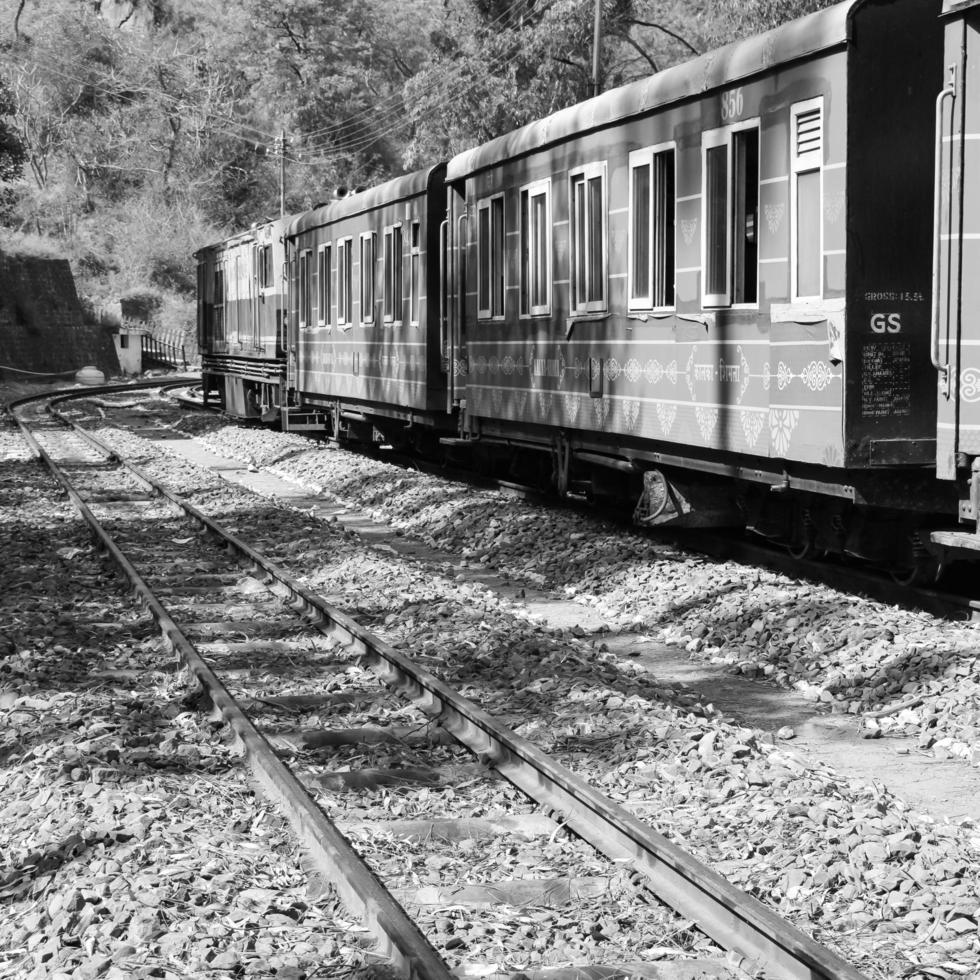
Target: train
{"points": [[737, 292]]}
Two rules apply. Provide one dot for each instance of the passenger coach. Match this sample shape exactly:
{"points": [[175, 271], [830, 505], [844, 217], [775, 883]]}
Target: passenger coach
{"points": [[723, 271], [241, 321], [366, 351], [955, 339]]}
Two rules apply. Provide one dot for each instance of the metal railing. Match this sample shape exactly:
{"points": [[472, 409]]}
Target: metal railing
{"points": [[163, 352]]}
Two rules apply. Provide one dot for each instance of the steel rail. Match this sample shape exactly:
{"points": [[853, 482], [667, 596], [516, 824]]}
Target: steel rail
{"points": [[330, 853], [734, 919]]}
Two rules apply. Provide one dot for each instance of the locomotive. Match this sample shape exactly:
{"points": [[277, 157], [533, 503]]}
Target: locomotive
{"points": [[735, 292]]}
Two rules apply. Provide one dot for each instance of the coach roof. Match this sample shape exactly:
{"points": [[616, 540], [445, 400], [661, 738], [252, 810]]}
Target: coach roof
{"points": [[798, 39], [399, 189], [955, 6]]}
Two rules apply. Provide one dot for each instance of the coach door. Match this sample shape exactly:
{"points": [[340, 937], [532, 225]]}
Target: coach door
{"points": [[452, 297], [956, 271]]}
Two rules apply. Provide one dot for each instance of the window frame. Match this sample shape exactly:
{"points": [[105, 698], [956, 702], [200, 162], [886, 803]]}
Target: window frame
{"points": [[807, 163], [345, 282], [392, 286], [219, 327], [528, 248], [647, 156], [304, 282], [415, 273], [324, 284], [368, 277], [266, 274], [712, 139], [497, 263], [585, 174]]}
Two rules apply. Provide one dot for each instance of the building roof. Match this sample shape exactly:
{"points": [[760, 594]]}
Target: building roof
{"points": [[790, 42]]}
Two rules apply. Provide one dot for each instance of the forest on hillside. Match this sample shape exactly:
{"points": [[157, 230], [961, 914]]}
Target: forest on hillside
{"points": [[134, 131]]}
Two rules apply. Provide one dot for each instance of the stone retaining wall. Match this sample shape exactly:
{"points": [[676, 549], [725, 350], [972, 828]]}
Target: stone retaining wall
{"points": [[41, 324]]}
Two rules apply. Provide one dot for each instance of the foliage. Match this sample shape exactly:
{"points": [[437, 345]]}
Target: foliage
{"points": [[133, 132], [736, 19], [12, 152]]}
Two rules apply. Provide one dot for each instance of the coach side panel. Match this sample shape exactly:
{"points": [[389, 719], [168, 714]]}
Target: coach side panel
{"points": [[677, 279], [365, 305]]}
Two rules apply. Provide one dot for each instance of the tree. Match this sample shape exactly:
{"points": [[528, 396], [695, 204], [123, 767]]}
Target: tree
{"points": [[12, 152], [737, 19]]}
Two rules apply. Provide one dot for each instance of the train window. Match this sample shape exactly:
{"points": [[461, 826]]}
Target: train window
{"points": [[305, 288], [807, 197], [416, 271], [367, 278], [393, 274], [344, 282], [731, 203], [264, 263], [203, 318], [536, 248], [219, 303], [652, 228], [324, 272], [587, 230], [490, 257]]}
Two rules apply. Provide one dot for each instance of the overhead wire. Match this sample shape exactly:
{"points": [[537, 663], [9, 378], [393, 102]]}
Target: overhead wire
{"points": [[392, 118], [395, 121], [394, 101]]}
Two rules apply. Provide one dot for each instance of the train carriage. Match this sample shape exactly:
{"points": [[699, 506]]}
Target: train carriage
{"points": [[955, 346], [241, 321], [720, 271], [727, 293], [366, 353]]}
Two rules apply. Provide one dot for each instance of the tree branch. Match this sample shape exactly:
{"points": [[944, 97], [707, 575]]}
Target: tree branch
{"points": [[571, 64], [660, 27], [20, 10], [634, 44]]}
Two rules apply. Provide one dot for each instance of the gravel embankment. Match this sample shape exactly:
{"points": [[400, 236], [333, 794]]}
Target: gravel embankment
{"points": [[893, 893], [847, 653], [130, 842]]}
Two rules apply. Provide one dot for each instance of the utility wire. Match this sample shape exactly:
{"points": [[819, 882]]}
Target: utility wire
{"points": [[394, 101], [399, 120]]}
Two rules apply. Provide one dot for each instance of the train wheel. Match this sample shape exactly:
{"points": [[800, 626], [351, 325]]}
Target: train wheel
{"points": [[925, 571], [799, 550]]}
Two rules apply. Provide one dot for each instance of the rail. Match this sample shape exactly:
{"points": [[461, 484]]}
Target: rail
{"points": [[753, 933]]}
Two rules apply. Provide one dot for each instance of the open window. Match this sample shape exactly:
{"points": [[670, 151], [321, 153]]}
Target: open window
{"points": [[264, 272], [807, 198], [535, 235], [415, 273], [345, 283], [653, 206], [587, 231], [731, 205], [490, 257], [393, 274], [367, 278], [305, 288], [324, 272], [218, 309]]}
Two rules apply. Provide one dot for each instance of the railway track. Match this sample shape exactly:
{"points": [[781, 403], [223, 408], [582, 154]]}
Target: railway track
{"points": [[193, 572]]}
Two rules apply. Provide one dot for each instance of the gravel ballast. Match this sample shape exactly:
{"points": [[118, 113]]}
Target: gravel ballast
{"points": [[893, 893]]}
